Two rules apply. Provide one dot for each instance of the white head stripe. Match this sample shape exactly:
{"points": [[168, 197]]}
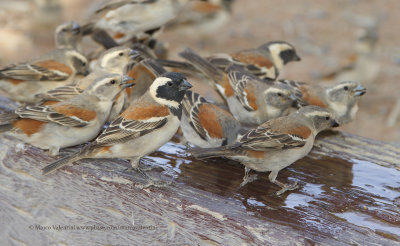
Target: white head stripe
{"points": [[153, 92]]}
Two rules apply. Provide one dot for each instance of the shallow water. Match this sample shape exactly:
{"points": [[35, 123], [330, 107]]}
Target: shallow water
{"points": [[355, 192]]}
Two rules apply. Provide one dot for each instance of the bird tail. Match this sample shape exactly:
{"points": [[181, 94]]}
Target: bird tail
{"points": [[153, 66], [177, 64], [103, 38], [68, 160], [202, 64], [8, 118], [87, 29], [206, 153]]}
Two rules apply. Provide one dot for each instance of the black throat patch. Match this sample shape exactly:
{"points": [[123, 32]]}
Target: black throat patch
{"points": [[287, 56]]}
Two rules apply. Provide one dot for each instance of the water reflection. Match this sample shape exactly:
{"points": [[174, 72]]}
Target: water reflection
{"points": [[339, 187]]}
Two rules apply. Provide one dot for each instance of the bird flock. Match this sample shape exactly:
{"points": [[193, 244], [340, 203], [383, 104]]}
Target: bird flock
{"points": [[127, 99]]}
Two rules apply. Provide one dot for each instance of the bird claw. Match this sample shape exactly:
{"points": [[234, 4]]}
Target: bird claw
{"points": [[153, 183], [20, 148], [248, 179], [287, 187]]}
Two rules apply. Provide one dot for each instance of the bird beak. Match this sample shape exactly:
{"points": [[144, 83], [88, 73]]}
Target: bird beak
{"points": [[296, 57], [133, 54], [76, 28], [185, 85], [334, 123], [360, 90], [293, 98], [125, 80]]}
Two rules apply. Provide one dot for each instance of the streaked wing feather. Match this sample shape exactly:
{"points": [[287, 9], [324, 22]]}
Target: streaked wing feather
{"points": [[31, 72], [61, 93], [121, 130], [46, 114], [262, 138], [239, 81], [191, 105]]}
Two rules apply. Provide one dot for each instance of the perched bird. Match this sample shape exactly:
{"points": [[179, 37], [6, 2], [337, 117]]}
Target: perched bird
{"points": [[113, 60], [67, 123], [340, 99], [265, 61], [275, 144], [142, 128], [202, 17], [206, 125], [250, 100], [362, 65], [68, 35], [126, 19], [23, 81]]}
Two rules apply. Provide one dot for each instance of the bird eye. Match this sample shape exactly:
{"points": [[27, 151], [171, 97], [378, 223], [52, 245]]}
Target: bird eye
{"points": [[169, 83], [279, 94], [327, 118], [346, 88], [121, 54], [112, 82], [83, 63]]}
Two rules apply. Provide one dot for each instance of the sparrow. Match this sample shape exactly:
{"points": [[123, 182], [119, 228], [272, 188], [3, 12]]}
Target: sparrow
{"points": [[70, 122], [127, 19], [68, 35], [340, 99], [23, 81], [142, 128], [265, 62], [206, 125], [202, 17], [250, 100], [113, 60], [275, 144], [362, 65]]}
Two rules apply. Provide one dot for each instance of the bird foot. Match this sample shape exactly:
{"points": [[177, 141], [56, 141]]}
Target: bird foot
{"points": [[249, 179], [287, 187], [154, 183], [20, 148]]}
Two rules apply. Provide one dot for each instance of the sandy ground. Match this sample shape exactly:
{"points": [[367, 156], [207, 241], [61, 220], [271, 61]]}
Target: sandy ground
{"points": [[322, 32]]}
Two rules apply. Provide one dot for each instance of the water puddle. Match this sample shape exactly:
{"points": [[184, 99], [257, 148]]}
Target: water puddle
{"points": [[357, 191], [364, 220]]}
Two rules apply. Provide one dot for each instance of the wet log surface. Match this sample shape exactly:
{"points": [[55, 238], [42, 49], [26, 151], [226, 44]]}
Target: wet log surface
{"points": [[350, 194]]}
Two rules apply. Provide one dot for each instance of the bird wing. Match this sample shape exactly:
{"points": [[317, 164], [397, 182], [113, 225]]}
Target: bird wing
{"points": [[134, 122], [266, 137], [60, 93], [191, 107], [240, 82], [298, 88], [48, 70], [66, 115], [257, 64], [116, 4]]}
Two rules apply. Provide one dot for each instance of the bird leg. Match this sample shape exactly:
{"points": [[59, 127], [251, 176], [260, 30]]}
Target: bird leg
{"points": [[284, 187], [135, 167], [247, 178], [184, 141], [19, 148], [150, 182], [53, 151]]}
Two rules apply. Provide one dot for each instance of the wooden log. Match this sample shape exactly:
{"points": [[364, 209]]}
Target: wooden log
{"points": [[349, 195]]}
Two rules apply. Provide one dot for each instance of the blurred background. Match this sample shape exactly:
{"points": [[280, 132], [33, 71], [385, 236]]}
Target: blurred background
{"points": [[328, 36]]}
